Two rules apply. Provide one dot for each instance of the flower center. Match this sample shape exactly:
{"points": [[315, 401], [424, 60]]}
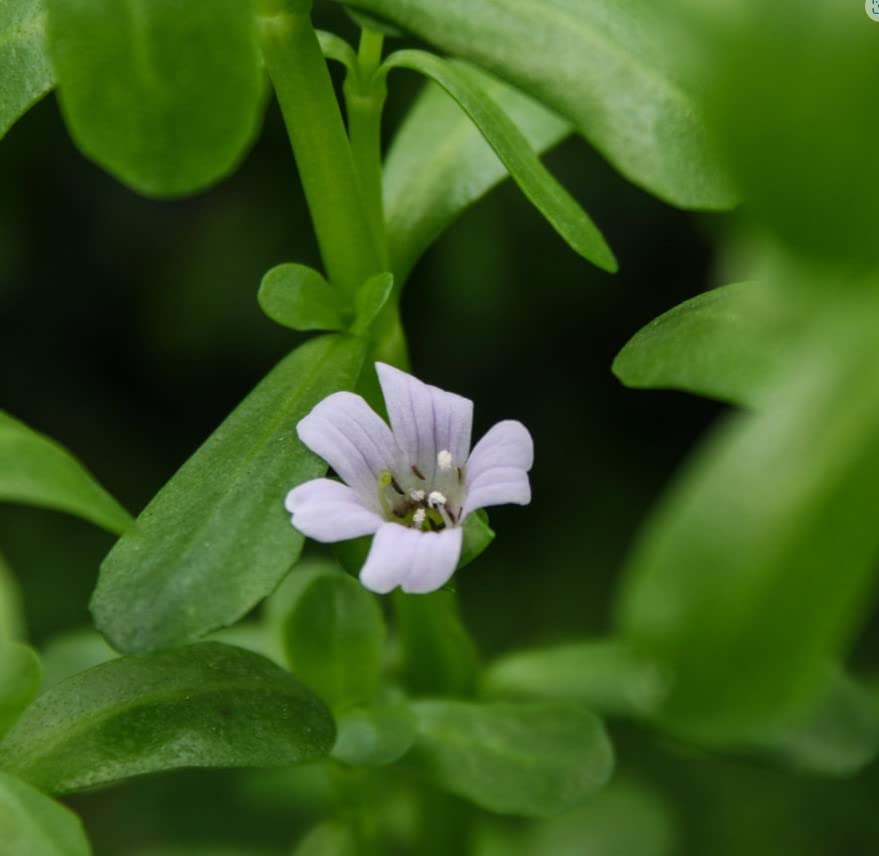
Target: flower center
{"points": [[415, 500]]}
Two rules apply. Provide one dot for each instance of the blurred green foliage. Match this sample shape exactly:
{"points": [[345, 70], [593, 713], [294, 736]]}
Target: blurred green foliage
{"points": [[130, 329]]}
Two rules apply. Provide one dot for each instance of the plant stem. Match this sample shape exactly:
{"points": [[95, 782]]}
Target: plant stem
{"points": [[365, 95], [345, 231]]}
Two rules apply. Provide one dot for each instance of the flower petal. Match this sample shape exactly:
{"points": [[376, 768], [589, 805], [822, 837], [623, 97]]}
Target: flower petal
{"points": [[329, 511], [391, 557], [353, 439], [418, 561], [438, 554], [425, 419], [498, 486], [497, 471]]}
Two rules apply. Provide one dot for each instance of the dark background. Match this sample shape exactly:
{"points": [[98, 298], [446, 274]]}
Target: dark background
{"points": [[129, 328]]}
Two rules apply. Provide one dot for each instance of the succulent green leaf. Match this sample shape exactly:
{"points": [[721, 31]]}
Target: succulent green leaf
{"points": [[613, 69], [535, 760], [31, 823], [509, 144], [439, 163], [164, 95], [334, 637], [73, 652], [437, 654], [328, 839], [726, 344], [20, 675], [298, 297], [35, 470], [25, 71], [760, 555], [370, 300], [624, 819], [216, 539], [12, 625], [374, 736], [605, 675], [838, 735], [336, 48], [206, 705]]}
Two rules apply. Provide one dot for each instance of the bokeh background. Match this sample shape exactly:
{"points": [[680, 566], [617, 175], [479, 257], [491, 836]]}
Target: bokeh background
{"points": [[129, 328]]}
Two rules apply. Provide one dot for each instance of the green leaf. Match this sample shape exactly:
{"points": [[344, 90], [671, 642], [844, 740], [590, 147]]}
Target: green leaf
{"points": [[605, 675], [761, 555], [25, 72], [439, 163], [508, 142], [535, 760], [11, 607], [622, 820], [336, 48], [328, 839], [216, 540], [164, 95], [334, 637], [34, 470], [20, 675], [374, 736], [478, 536], [726, 344], [610, 68], [298, 297], [370, 300], [207, 705], [70, 653], [838, 735], [31, 824], [437, 654]]}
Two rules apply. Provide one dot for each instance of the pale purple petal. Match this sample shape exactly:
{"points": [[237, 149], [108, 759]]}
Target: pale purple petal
{"points": [[329, 511], [497, 471], [438, 554], [425, 419], [507, 444], [391, 557], [419, 562], [498, 486], [353, 439]]}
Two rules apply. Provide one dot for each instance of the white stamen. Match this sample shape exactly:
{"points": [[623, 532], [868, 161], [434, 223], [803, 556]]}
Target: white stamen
{"points": [[416, 495], [419, 517], [435, 499], [444, 460]]}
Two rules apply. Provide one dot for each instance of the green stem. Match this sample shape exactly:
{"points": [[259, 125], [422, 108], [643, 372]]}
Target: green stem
{"points": [[345, 231], [365, 95]]}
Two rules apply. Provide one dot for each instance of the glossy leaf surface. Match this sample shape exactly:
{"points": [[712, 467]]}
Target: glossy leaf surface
{"points": [[206, 705], [551, 199], [35, 470], [727, 344], [25, 71], [535, 760], [164, 95], [610, 68], [298, 297], [216, 539], [334, 636], [439, 164], [31, 823]]}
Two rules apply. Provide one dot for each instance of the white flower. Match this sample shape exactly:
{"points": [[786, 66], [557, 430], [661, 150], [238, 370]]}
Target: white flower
{"points": [[413, 486]]}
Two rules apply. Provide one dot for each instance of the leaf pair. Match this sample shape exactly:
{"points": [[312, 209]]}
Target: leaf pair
{"points": [[514, 151], [615, 72], [207, 705], [760, 556], [298, 297]]}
